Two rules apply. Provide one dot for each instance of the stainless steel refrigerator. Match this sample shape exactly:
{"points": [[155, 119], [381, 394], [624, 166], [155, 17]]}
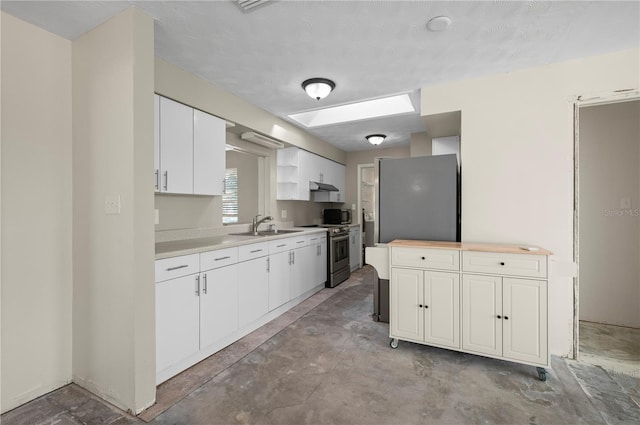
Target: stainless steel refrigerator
{"points": [[416, 198]]}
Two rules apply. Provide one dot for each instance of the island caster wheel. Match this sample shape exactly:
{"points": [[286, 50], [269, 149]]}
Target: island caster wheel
{"points": [[542, 374], [394, 343]]}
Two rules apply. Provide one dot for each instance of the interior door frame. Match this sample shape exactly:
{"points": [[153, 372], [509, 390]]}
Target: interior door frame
{"points": [[581, 102], [359, 205]]}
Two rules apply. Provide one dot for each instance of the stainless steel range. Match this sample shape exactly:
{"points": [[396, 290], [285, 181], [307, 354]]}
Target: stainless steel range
{"points": [[338, 254]]}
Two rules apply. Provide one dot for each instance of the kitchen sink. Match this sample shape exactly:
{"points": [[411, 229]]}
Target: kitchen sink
{"points": [[266, 233]]}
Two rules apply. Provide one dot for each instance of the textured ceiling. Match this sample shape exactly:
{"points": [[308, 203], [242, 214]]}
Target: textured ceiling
{"points": [[369, 48]]}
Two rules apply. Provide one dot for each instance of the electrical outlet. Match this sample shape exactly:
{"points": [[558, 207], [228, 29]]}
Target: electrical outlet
{"points": [[353, 207], [112, 204], [157, 216], [283, 213]]}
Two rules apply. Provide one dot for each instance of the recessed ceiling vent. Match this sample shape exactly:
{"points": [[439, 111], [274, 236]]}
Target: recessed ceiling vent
{"points": [[250, 5]]}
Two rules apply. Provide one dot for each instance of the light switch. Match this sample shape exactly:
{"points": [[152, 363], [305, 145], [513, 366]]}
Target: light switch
{"points": [[283, 213], [353, 207], [112, 204], [157, 217]]}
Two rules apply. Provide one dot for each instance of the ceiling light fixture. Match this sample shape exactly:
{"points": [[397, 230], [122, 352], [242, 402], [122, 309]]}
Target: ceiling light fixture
{"points": [[376, 139], [439, 23], [318, 88]]}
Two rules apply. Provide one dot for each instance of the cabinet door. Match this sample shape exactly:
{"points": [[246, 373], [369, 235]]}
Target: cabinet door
{"points": [[482, 314], [321, 261], [218, 304], [406, 293], [279, 279], [442, 309], [301, 264], [177, 316], [338, 180], [524, 304], [156, 142], [208, 154], [176, 147], [253, 290]]}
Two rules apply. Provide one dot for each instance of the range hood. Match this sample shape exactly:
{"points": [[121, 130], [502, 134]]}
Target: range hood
{"points": [[322, 187]]}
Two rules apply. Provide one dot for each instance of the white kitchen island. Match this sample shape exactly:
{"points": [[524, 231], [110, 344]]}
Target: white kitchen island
{"points": [[485, 299]]}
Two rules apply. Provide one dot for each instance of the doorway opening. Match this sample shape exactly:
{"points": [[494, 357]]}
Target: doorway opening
{"points": [[607, 233], [366, 206]]}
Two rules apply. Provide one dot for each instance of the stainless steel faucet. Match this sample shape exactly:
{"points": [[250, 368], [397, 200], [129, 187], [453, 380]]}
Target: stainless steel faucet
{"points": [[255, 223]]}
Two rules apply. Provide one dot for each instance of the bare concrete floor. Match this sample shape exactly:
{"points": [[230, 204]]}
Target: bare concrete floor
{"points": [[333, 365], [614, 348]]}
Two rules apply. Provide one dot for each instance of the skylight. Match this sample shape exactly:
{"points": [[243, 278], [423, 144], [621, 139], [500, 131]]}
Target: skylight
{"points": [[383, 107]]}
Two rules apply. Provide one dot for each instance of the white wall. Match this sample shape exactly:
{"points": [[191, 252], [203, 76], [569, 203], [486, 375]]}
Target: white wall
{"points": [[609, 167], [36, 212], [517, 159], [113, 255]]}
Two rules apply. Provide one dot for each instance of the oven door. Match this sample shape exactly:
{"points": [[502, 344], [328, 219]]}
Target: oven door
{"points": [[339, 252]]}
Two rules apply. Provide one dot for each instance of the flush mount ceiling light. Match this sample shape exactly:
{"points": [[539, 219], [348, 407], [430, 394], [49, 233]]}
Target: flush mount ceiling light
{"points": [[376, 139], [318, 88], [439, 23], [383, 107]]}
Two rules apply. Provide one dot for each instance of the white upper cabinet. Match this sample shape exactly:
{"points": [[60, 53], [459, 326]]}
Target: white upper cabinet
{"points": [[176, 147], [156, 142], [297, 167], [208, 154], [189, 150]]}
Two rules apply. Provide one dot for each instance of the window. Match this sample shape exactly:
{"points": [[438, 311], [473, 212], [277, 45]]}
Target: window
{"points": [[230, 196]]}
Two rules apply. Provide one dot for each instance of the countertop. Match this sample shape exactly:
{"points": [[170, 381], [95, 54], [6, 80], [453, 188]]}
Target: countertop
{"points": [[471, 246], [195, 246]]}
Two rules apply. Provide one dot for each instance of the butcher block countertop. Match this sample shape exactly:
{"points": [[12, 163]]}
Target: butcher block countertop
{"points": [[471, 246]]}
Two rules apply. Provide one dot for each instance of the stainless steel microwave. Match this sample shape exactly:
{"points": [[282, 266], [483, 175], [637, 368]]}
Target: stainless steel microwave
{"points": [[336, 216]]}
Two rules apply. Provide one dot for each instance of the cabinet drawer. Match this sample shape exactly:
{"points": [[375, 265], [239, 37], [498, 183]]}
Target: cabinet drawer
{"points": [[280, 245], [505, 264], [218, 258], [255, 250], [299, 242], [442, 259], [170, 268]]}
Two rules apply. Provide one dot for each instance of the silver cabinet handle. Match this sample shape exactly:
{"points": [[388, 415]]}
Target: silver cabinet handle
{"points": [[268, 265], [157, 182], [221, 258], [300, 242], [281, 245], [254, 251], [224, 187], [318, 250], [197, 286], [204, 288], [289, 257], [293, 257], [166, 180], [170, 269]]}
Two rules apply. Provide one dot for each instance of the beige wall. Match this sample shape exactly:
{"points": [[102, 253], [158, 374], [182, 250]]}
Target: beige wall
{"points": [[365, 157], [517, 156], [113, 255], [609, 166], [36, 212], [420, 144]]}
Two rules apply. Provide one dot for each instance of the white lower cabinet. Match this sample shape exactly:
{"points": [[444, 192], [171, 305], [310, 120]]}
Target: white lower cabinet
{"points": [[253, 287], [505, 317], [318, 258], [279, 279], [177, 316], [218, 304], [487, 306], [207, 301], [426, 306]]}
